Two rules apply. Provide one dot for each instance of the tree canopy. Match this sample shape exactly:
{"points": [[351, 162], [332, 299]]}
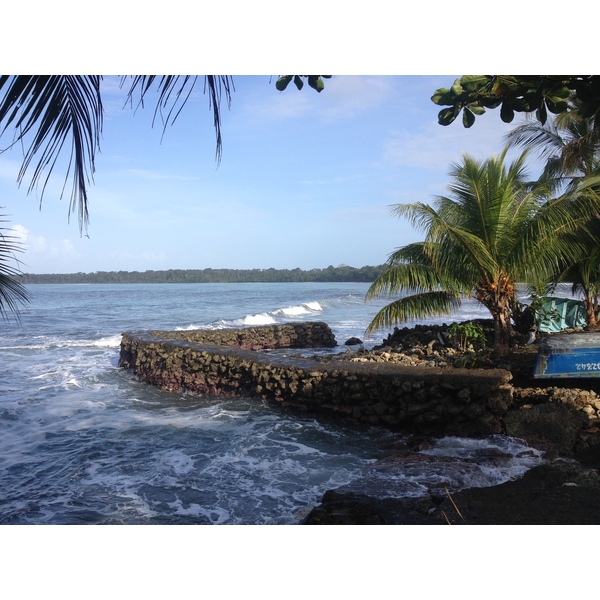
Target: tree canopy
{"points": [[542, 94]]}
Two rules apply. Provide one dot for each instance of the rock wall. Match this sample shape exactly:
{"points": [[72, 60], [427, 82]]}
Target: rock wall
{"points": [[417, 398], [420, 399], [287, 335]]}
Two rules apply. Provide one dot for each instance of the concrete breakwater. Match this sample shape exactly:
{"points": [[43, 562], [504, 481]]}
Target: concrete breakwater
{"points": [[233, 362]]}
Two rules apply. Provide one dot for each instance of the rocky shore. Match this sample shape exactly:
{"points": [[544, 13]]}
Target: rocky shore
{"points": [[561, 417], [557, 493]]}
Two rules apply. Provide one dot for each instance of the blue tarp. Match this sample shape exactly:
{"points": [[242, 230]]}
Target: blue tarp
{"points": [[557, 314]]}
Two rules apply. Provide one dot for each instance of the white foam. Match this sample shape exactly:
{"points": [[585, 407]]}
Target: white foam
{"points": [[292, 311], [299, 310], [259, 319], [262, 318], [314, 306], [176, 460], [113, 341]]}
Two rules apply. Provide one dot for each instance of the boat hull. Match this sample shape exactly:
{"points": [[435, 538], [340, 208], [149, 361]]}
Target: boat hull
{"points": [[568, 355]]}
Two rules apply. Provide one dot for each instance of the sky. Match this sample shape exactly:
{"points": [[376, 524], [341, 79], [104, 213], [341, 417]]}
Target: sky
{"points": [[305, 180]]}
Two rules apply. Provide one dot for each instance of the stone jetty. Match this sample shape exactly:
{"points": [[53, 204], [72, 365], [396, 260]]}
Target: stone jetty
{"points": [[234, 362]]}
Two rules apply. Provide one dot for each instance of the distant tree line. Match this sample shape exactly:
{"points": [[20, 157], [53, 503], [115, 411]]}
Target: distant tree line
{"points": [[341, 273]]}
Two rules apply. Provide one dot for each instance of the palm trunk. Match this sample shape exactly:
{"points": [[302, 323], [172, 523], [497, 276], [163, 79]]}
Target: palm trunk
{"points": [[591, 308], [502, 329]]}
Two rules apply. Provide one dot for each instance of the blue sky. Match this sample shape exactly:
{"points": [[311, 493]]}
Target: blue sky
{"points": [[306, 180]]}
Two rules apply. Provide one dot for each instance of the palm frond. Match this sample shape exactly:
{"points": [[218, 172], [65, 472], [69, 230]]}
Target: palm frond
{"points": [[46, 112], [12, 293], [413, 269], [545, 139], [560, 234], [175, 90], [416, 306], [403, 279]]}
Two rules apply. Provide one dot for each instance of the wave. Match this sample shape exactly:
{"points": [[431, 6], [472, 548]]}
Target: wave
{"points": [[113, 341], [278, 315]]}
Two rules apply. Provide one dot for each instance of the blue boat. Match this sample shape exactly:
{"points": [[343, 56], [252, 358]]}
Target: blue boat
{"points": [[568, 355]]}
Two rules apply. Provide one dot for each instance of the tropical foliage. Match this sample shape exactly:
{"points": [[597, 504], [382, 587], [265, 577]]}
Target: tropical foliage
{"points": [[473, 94], [495, 229], [570, 145]]}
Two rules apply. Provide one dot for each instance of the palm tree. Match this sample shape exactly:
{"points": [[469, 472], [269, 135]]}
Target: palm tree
{"points": [[584, 276], [495, 229], [570, 144]]}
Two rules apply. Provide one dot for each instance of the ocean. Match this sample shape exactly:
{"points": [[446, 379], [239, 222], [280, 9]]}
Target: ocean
{"points": [[83, 442]]}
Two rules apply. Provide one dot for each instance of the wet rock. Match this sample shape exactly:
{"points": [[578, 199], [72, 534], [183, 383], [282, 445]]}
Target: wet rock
{"points": [[357, 509], [551, 427], [557, 493]]}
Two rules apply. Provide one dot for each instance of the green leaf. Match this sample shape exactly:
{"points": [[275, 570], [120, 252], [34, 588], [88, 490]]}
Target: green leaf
{"points": [[474, 83], [447, 116], [491, 101], [456, 88], [562, 92], [443, 97], [283, 82], [476, 108], [556, 104], [468, 118], [541, 113], [316, 83], [298, 81], [507, 114]]}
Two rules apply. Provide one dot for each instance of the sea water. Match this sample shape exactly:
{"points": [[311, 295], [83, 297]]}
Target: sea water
{"points": [[83, 442]]}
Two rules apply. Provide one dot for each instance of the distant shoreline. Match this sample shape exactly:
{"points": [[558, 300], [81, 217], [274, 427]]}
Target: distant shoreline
{"points": [[340, 274]]}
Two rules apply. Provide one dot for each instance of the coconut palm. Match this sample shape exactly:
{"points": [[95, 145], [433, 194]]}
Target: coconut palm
{"points": [[494, 229], [570, 144], [49, 116]]}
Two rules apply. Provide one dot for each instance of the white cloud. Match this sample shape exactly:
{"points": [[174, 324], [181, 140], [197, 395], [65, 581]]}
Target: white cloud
{"points": [[40, 252], [20, 232], [353, 95]]}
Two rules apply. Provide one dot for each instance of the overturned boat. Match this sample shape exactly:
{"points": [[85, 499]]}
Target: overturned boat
{"points": [[569, 355]]}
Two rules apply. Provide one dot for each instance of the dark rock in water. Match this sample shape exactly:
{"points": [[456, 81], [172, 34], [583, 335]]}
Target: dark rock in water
{"points": [[557, 493], [358, 509], [353, 341], [551, 427]]}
